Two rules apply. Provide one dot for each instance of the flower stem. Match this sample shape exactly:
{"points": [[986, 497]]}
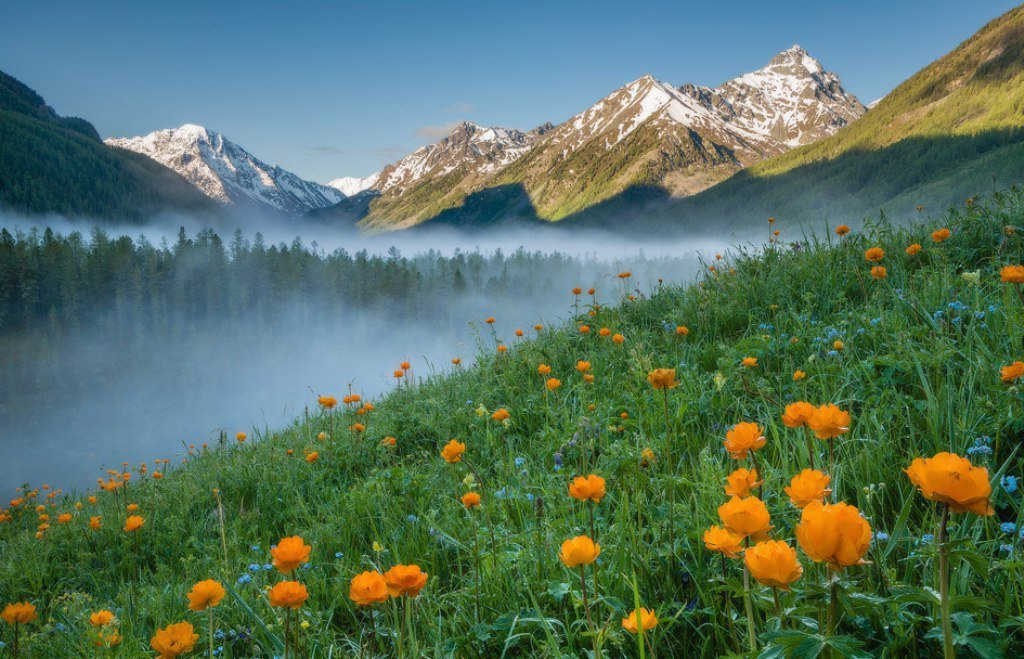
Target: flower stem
{"points": [[947, 626], [748, 605], [669, 470]]}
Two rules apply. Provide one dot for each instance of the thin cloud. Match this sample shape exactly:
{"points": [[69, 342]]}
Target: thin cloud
{"points": [[435, 132], [462, 107]]}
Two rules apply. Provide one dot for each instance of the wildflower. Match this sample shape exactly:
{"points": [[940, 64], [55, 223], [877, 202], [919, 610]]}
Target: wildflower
{"points": [[1009, 484], [842, 230], [471, 500], [745, 517], [587, 488], [797, 414], [625, 275], [388, 441], [913, 249], [584, 329], [405, 580], [500, 414], [503, 348], [538, 327], [740, 482], [490, 320], [646, 457], [543, 369], [682, 330], [619, 339], [879, 272], [798, 375], [940, 234], [589, 379], [19, 613], [133, 523], [95, 522], [640, 620], [951, 479], [663, 378], [312, 457], [833, 533], [1008, 527], [205, 594], [290, 553], [580, 550], [456, 361], [401, 374], [101, 618], [829, 422], [749, 362], [1012, 274], [327, 402], [724, 541], [973, 278], [553, 384], [241, 437], [874, 254], [357, 428], [368, 588], [773, 563], [807, 486], [744, 438], [582, 366], [288, 595], [1013, 372], [174, 640], [64, 518]]}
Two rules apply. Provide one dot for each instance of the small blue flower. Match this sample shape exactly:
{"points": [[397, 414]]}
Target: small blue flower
{"points": [[338, 554], [1009, 484], [980, 449], [1008, 527], [832, 353], [520, 462], [60, 627], [558, 461], [268, 567], [219, 634], [306, 566], [1006, 549], [255, 547], [529, 497], [412, 519], [244, 579], [993, 308], [501, 494], [927, 537], [875, 321], [881, 536], [254, 567]]}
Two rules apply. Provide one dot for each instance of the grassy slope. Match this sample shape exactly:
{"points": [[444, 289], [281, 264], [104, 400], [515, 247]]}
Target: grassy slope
{"points": [[915, 382]]}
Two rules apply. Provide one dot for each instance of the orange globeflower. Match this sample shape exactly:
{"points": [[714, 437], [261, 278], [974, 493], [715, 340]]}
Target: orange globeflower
{"points": [[663, 378], [456, 360], [879, 272], [842, 230], [101, 618], [470, 500], [940, 234], [798, 375], [604, 331], [205, 594], [618, 338], [773, 563], [401, 374], [829, 422], [503, 348], [519, 332], [724, 541], [357, 427], [874, 254], [543, 369], [584, 329], [951, 479], [312, 457], [808, 486], [327, 402], [913, 249], [388, 441], [452, 451], [682, 330], [64, 518], [744, 438], [553, 383], [500, 414], [625, 275], [833, 533], [587, 488], [490, 320], [95, 522], [538, 327], [174, 640], [241, 437], [405, 366], [1013, 372], [1012, 274], [740, 482], [640, 620], [133, 523], [290, 553], [749, 362], [582, 366], [580, 550], [368, 588], [405, 580], [797, 414], [746, 517], [288, 595], [19, 613]]}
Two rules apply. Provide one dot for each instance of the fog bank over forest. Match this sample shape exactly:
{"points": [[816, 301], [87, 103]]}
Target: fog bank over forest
{"points": [[129, 350]]}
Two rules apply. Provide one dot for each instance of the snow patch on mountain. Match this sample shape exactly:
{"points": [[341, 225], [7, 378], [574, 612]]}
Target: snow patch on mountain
{"points": [[351, 185]]}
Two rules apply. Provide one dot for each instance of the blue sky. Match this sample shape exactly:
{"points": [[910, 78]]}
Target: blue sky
{"points": [[330, 89]]}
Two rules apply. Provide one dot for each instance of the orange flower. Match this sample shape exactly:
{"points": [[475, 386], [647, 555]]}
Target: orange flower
{"points": [[940, 234], [503, 348], [640, 620], [241, 437], [19, 613], [368, 588], [740, 482], [749, 362], [951, 479], [327, 402], [101, 618], [584, 329], [543, 369], [64, 518], [587, 488], [604, 331], [401, 374], [833, 533], [1012, 274], [773, 563], [580, 550], [797, 414], [745, 517], [842, 230], [553, 383], [452, 451], [744, 438], [405, 580], [913, 249], [456, 361], [519, 332], [388, 441], [312, 457], [588, 378], [582, 366], [829, 422], [618, 338], [357, 428], [95, 522], [500, 414], [470, 500], [490, 320], [174, 640], [133, 523], [290, 553], [538, 327], [625, 275], [1013, 372], [205, 594], [405, 366], [663, 378], [682, 330], [807, 486], [288, 595], [577, 290], [798, 375], [874, 254], [724, 541], [879, 272]]}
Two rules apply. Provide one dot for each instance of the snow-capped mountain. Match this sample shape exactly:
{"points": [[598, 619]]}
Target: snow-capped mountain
{"points": [[351, 185], [228, 173], [645, 134]]}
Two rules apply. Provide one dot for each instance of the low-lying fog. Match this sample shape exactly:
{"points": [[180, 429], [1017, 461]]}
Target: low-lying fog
{"points": [[93, 401]]}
